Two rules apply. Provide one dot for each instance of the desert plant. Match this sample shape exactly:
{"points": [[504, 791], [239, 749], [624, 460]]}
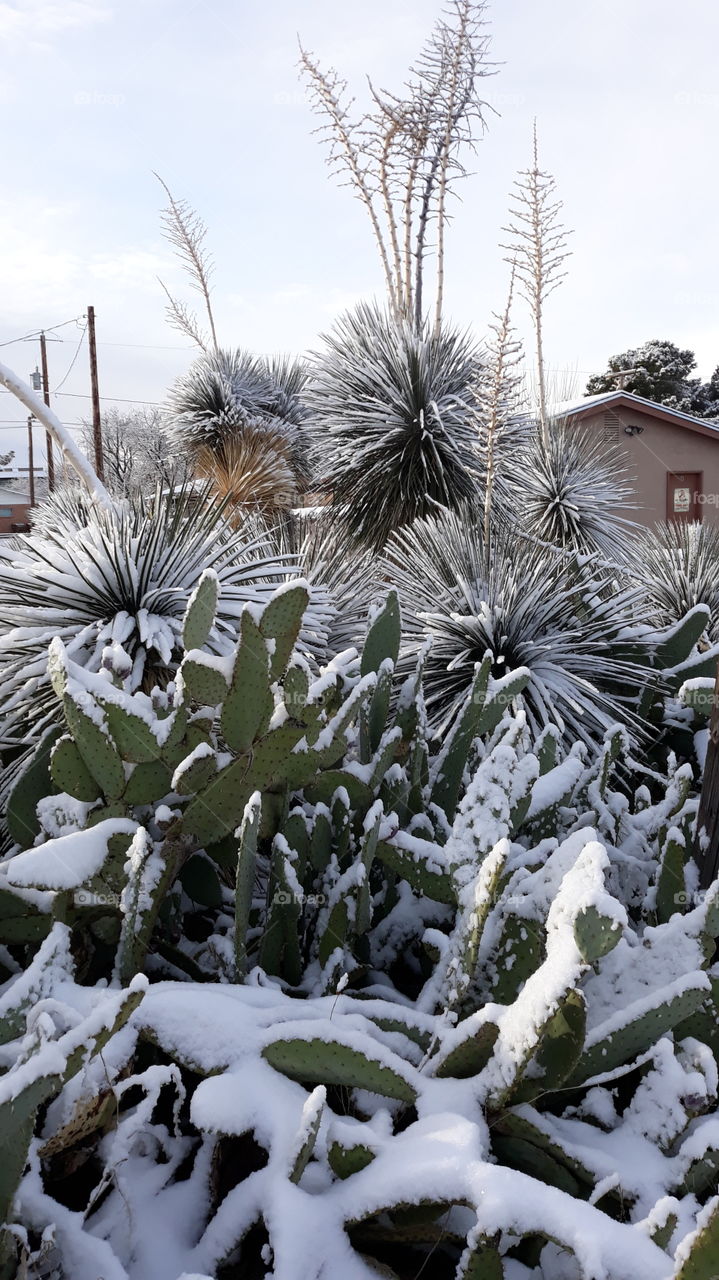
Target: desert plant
{"points": [[241, 418], [541, 1004], [537, 251], [574, 491], [531, 607], [251, 471], [186, 232], [677, 564], [402, 158], [393, 411], [114, 585]]}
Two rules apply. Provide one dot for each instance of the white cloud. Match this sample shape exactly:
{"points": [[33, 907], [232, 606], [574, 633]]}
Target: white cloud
{"points": [[32, 21]]}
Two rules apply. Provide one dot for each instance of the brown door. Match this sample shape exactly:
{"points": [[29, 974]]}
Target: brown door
{"points": [[684, 490]]}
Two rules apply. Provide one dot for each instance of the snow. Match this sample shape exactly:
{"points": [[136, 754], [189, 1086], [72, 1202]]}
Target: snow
{"points": [[60, 434], [66, 862]]}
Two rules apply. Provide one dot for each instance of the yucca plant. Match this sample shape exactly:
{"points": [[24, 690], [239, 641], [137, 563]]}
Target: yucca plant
{"points": [[252, 470], [530, 606], [393, 414], [114, 585], [227, 400], [677, 565], [572, 490], [328, 557]]}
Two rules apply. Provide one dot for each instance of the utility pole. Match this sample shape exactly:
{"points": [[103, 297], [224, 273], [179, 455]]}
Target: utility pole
{"points": [[46, 398], [30, 460], [96, 423]]}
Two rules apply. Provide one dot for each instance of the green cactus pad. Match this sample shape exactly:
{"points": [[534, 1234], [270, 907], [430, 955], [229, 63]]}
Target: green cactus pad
{"points": [[558, 1050], [281, 621], [519, 1154], [702, 1262], [248, 707], [453, 759], [344, 1161], [204, 683], [471, 1054], [200, 613], [245, 880], [133, 738], [437, 885], [480, 1261], [194, 773], [295, 690], [595, 934], [70, 773], [671, 880], [322, 789], [330, 1062], [679, 639], [148, 783], [97, 749], [626, 1043], [383, 636], [32, 786]]}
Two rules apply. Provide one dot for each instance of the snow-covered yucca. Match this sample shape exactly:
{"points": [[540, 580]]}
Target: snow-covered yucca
{"points": [[99, 578], [393, 416], [329, 558], [677, 564], [225, 394], [571, 492], [528, 604], [253, 469]]}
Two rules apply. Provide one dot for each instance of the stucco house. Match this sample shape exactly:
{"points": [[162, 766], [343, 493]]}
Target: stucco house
{"points": [[672, 457]]}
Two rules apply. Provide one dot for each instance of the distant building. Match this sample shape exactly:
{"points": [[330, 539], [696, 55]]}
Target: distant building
{"points": [[672, 457], [13, 471], [14, 510]]}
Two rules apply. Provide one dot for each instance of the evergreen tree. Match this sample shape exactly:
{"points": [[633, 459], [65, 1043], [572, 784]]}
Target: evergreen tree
{"points": [[660, 371]]}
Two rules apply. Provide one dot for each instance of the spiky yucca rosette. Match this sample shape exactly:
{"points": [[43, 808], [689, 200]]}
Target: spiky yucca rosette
{"points": [[225, 403], [531, 607], [573, 491], [393, 417], [677, 565], [123, 577]]}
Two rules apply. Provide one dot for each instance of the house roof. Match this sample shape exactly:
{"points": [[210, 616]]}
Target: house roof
{"points": [[627, 400], [13, 497]]}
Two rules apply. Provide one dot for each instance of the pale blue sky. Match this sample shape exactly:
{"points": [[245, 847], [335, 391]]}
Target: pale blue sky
{"points": [[95, 94]]}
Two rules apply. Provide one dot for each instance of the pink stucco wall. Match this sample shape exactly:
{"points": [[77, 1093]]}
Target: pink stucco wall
{"points": [[661, 448]]}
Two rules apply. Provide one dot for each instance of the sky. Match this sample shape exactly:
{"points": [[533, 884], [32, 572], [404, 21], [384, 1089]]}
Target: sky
{"points": [[95, 95]]}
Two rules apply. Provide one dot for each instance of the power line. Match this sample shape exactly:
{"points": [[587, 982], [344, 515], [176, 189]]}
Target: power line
{"points": [[144, 346], [80, 395], [35, 333], [72, 362]]}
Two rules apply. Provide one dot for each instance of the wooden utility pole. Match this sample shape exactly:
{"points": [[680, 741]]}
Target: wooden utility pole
{"points": [[707, 838], [96, 423], [46, 398], [30, 460]]}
